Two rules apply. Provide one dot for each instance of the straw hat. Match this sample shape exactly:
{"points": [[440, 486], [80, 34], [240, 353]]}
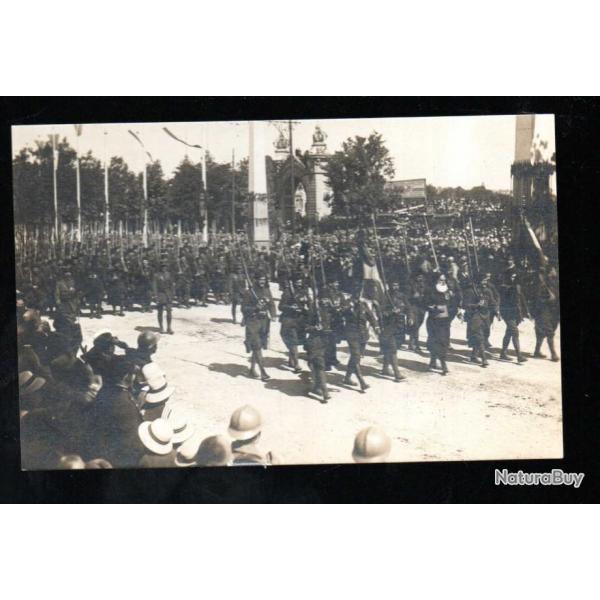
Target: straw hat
{"points": [[156, 388], [29, 383], [182, 430], [187, 453], [156, 436], [371, 445], [245, 423]]}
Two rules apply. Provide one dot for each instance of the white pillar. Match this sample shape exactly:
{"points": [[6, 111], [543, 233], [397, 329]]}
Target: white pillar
{"points": [[257, 184]]}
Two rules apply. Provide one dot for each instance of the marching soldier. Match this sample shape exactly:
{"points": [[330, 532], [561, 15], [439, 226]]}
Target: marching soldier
{"points": [[237, 288], [417, 310], [318, 328], [94, 294], [258, 309], [513, 309], [438, 301], [332, 302], [478, 302], [546, 313], [357, 317], [392, 322], [294, 309]]}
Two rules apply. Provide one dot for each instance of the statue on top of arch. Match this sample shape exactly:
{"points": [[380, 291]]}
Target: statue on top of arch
{"points": [[319, 136]]}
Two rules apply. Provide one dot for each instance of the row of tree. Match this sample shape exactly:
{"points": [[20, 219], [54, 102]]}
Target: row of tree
{"points": [[356, 174], [170, 200]]}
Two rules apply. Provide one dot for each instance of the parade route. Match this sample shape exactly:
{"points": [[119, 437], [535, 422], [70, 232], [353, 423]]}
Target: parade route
{"points": [[507, 411]]}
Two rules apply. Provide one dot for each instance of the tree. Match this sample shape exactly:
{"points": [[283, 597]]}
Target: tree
{"points": [[357, 176], [184, 193]]}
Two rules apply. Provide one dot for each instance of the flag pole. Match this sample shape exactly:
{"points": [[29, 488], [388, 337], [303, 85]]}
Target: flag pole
{"points": [[78, 183], [106, 199], [145, 223], [54, 185], [233, 191]]}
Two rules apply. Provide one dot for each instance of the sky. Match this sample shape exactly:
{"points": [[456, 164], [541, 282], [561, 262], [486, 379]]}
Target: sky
{"points": [[446, 151]]}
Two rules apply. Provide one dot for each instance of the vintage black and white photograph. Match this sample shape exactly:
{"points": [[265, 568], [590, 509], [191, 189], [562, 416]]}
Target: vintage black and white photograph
{"points": [[194, 294]]}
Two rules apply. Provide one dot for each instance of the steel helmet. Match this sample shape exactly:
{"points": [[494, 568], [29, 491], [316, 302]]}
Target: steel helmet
{"points": [[371, 444], [245, 423], [147, 340]]}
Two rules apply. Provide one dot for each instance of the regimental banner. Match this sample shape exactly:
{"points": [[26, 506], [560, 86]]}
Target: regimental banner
{"points": [[409, 189]]}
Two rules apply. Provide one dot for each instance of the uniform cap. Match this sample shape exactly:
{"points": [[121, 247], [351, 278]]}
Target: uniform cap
{"points": [[371, 444]]}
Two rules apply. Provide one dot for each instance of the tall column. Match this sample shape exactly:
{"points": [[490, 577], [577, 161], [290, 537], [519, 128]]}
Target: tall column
{"points": [[257, 185]]}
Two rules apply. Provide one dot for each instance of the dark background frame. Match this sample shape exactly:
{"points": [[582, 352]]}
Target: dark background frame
{"points": [[578, 170]]}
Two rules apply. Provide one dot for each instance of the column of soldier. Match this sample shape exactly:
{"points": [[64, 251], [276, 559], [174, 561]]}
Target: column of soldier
{"points": [[71, 417]]}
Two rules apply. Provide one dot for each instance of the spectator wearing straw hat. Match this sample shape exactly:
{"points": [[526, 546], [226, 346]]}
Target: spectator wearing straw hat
{"points": [[157, 439], [245, 429], [155, 392], [183, 430]]}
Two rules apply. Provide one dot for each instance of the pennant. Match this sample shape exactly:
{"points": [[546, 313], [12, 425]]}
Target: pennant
{"points": [[171, 134], [139, 141]]}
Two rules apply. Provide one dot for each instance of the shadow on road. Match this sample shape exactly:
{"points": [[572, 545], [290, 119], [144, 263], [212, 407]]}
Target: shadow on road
{"points": [[147, 328], [222, 320], [231, 369]]}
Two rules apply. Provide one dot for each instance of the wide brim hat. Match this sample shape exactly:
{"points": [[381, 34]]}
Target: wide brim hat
{"points": [[151, 442], [182, 430], [187, 453], [150, 396]]}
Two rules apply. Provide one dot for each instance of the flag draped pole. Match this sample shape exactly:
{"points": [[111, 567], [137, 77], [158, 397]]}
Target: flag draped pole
{"points": [[202, 196], [145, 187], [78, 129]]}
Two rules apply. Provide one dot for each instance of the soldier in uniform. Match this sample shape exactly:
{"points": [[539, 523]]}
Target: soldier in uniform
{"points": [[417, 310], [94, 294], [392, 314], [237, 288], [478, 302], [200, 282], [513, 309], [258, 307], [318, 328], [218, 279], [162, 287], [357, 316], [332, 302], [294, 309], [438, 300], [67, 298], [116, 291], [546, 313], [143, 285], [183, 282]]}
